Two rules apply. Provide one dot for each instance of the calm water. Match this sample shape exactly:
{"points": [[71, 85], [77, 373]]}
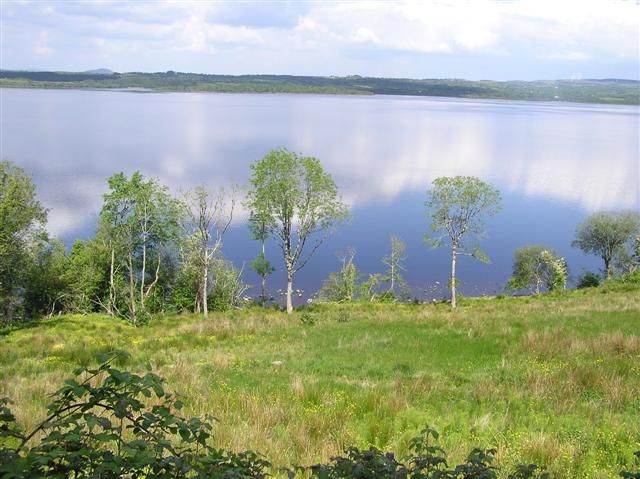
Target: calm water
{"points": [[554, 164]]}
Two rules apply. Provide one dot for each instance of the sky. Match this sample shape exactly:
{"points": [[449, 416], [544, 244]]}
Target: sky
{"points": [[494, 40]]}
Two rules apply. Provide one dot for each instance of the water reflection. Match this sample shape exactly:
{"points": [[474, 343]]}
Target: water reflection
{"points": [[381, 150]]}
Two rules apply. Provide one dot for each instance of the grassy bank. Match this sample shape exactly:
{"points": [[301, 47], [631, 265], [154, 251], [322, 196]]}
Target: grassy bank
{"points": [[552, 380]]}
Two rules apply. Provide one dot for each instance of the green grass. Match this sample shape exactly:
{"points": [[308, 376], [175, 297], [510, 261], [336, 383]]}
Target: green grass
{"points": [[552, 380]]}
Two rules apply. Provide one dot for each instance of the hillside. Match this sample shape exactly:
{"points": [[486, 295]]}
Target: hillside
{"points": [[610, 91], [550, 380]]}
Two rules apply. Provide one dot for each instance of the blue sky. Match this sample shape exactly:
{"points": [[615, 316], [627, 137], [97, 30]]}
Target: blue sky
{"points": [[506, 40]]}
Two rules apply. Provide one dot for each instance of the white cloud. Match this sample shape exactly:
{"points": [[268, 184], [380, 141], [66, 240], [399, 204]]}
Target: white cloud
{"points": [[41, 47], [487, 39]]}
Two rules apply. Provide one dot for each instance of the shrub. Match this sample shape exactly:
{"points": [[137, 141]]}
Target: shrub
{"points": [[99, 425], [588, 280]]}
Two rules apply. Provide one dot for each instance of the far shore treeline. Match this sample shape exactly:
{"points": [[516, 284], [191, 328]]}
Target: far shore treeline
{"points": [[155, 253], [606, 91]]}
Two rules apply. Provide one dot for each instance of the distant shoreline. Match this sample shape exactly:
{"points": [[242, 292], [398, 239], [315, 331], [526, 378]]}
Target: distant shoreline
{"points": [[608, 91]]}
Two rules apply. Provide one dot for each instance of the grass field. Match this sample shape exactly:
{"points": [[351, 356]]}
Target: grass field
{"points": [[552, 380]]}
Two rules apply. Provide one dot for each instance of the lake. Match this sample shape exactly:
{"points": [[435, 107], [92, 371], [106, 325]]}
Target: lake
{"points": [[554, 163]]}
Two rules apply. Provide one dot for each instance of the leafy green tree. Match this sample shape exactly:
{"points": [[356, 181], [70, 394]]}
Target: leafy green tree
{"points": [[299, 203], [457, 205], [22, 218], [87, 277], [262, 266], [46, 290], [627, 260], [535, 267], [141, 220], [605, 235]]}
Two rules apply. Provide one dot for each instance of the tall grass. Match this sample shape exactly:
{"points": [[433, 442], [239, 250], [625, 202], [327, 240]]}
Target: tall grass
{"points": [[552, 380]]}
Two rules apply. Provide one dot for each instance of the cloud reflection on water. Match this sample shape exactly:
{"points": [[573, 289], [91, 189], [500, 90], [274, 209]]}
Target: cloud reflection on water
{"points": [[375, 147]]}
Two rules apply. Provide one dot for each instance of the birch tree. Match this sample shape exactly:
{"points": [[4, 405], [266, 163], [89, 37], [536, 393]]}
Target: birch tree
{"points": [[536, 267], [262, 266], [606, 234], [395, 264], [300, 204], [457, 205], [142, 222], [209, 216], [22, 217]]}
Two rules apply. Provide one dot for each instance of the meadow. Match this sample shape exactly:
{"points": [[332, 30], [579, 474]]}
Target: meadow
{"points": [[552, 380]]}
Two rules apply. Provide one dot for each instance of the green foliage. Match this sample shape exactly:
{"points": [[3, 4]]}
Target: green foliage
{"points": [[227, 286], [46, 283], [261, 265], [341, 287], [633, 474], [456, 206], [110, 423], [427, 460], [297, 204], [22, 219], [535, 267], [87, 276], [588, 280], [628, 258], [605, 235], [141, 223], [547, 380]]}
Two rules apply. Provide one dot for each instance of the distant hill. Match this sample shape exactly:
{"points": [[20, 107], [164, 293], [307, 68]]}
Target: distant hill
{"points": [[609, 91], [100, 71]]}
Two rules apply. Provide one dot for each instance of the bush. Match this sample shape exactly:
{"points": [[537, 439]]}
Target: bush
{"points": [[588, 280], [100, 425], [227, 288]]}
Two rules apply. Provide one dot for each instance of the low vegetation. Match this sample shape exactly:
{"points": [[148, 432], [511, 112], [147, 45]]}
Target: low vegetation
{"points": [[551, 380]]}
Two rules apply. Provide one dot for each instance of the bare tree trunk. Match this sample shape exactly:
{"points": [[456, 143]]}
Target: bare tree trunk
{"points": [[132, 293], [264, 279], [112, 287], [607, 267], [144, 266], [453, 275], [205, 284], [289, 291], [393, 276]]}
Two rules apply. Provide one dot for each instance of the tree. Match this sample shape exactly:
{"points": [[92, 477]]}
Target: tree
{"points": [[627, 261], [88, 278], [456, 205], [46, 289], [141, 221], [299, 203], [535, 267], [605, 235], [262, 266], [395, 263], [22, 218], [208, 219], [342, 286]]}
